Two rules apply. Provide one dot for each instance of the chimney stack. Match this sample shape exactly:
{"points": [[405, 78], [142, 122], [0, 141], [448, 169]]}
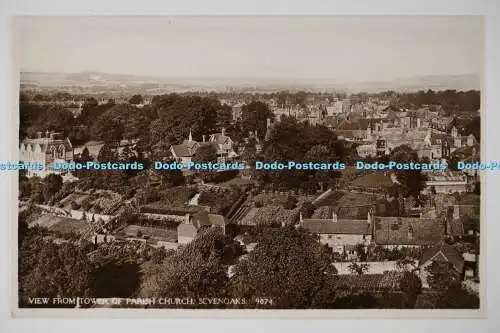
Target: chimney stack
{"points": [[39, 135], [456, 212], [203, 136], [223, 130]]}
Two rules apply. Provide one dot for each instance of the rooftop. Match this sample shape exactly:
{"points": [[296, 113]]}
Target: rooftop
{"points": [[328, 226], [408, 231], [444, 252]]}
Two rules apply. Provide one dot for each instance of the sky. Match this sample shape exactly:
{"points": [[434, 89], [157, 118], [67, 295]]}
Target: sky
{"points": [[347, 48]]}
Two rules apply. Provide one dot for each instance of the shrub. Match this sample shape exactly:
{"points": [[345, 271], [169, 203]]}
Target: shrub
{"points": [[290, 202], [75, 206]]}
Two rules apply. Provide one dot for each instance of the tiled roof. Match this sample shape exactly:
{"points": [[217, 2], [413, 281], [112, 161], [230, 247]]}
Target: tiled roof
{"points": [[443, 250], [446, 176], [216, 219], [203, 218], [407, 231], [185, 149], [368, 282], [327, 226]]}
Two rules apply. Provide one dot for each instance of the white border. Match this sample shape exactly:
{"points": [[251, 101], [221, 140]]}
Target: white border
{"points": [[490, 151]]}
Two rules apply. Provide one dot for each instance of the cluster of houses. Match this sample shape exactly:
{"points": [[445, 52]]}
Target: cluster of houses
{"points": [[347, 236], [376, 130]]}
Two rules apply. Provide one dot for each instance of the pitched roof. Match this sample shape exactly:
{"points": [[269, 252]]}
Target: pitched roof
{"points": [[443, 250], [446, 176], [437, 139], [186, 230], [327, 226], [368, 282], [185, 149], [407, 231], [216, 219], [220, 139], [203, 218]]}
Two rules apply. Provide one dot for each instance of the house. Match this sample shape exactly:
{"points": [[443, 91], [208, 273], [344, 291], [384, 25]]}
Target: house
{"points": [[367, 150], [342, 235], [94, 147], [446, 182], [193, 224], [441, 252], [462, 140], [224, 146], [46, 150], [397, 232], [184, 152], [462, 219]]}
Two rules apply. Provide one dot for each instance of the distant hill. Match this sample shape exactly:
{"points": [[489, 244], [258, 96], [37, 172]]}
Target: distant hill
{"points": [[434, 82], [97, 79]]}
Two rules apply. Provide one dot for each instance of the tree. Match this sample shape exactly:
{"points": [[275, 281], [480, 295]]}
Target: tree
{"points": [[405, 264], [178, 115], [53, 117], [356, 268], [307, 209], [254, 118], [50, 270], [288, 266], [205, 153], [412, 180], [107, 153], [196, 270], [116, 122], [89, 103], [52, 184], [136, 99], [441, 274], [456, 297], [224, 116], [290, 202], [411, 286]]}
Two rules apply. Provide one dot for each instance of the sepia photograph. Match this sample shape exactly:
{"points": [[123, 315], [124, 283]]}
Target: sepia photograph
{"points": [[250, 163]]}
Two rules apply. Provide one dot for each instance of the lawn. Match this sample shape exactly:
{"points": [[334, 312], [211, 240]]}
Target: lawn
{"points": [[355, 199], [373, 180], [164, 234], [61, 224]]}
